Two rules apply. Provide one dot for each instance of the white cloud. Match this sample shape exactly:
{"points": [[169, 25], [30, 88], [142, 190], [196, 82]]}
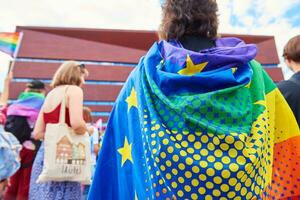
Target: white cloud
{"points": [[259, 18], [130, 14]]}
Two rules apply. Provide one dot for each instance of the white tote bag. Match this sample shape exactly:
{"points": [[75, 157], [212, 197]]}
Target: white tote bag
{"points": [[67, 155]]}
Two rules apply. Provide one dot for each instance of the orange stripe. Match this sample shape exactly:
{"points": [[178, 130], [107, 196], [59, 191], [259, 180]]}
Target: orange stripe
{"points": [[286, 169], [9, 37]]}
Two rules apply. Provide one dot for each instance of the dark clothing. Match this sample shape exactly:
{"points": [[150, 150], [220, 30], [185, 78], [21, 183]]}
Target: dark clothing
{"points": [[19, 127], [196, 43], [291, 91]]}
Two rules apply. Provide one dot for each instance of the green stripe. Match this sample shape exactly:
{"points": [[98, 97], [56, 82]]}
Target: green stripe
{"points": [[261, 84], [11, 45], [269, 85], [25, 95]]}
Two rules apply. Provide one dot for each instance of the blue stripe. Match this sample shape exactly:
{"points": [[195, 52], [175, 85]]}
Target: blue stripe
{"points": [[27, 80], [99, 103], [270, 65], [101, 113], [122, 64]]}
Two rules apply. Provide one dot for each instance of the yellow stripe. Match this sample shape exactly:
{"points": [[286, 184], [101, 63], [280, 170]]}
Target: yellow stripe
{"points": [[13, 40], [284, 121], [261, 102], [248, 85], [277, 123]]}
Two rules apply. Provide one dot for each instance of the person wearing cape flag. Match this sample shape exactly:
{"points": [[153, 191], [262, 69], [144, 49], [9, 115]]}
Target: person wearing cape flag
{"points": [[198, 118]]}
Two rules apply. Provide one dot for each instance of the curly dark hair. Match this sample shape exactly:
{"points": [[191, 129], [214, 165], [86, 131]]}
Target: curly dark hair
{"points": [[189, 17]]}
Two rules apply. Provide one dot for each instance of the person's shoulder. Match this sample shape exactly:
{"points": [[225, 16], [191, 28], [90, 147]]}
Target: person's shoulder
{"points": [[74, 89], [289, 90], [282, 84], [286, 85]]}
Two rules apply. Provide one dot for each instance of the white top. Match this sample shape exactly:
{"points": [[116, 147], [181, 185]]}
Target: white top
{"points": [[94, 140]]}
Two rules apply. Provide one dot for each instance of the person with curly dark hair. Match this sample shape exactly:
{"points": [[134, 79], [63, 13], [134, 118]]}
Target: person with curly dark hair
{"points": [[198, 118], [189, 18]]}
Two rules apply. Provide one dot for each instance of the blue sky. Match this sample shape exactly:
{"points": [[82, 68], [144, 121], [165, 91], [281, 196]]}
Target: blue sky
{"points": [[293, 15], [260, 17]]}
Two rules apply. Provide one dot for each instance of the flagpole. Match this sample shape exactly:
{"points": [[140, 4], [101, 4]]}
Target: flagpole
{"points": [[18, 44], [14, 56]]}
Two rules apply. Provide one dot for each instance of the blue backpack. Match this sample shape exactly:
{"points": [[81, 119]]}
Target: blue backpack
{"points": [[9, 154]]}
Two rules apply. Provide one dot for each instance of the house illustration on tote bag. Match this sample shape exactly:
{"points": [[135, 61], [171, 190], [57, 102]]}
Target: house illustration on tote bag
{"points": [[70, 153]]}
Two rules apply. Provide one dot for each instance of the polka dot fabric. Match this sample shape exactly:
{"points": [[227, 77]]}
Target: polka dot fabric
{"points": [[199, 164], [206, 153], [209, 147]]}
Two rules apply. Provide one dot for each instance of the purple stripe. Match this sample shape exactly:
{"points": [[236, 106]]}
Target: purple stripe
{"points": [[7, 50], [25, 111]]}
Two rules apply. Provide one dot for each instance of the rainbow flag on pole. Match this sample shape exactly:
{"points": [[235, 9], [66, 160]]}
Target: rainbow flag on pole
{"points": [[9, 43]]}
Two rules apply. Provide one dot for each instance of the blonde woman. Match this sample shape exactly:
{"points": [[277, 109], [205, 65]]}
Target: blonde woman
{"points": [[66, 83]]}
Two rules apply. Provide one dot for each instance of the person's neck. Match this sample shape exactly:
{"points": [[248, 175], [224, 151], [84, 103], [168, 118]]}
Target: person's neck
{"points": [[296, 67], [196, 42]]}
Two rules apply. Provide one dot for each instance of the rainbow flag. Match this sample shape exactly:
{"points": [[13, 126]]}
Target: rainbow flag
{"points": [[199, 125], [9, 42], [28, 105]]}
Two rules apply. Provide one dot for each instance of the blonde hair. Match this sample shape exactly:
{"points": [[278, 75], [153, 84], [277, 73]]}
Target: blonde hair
{"points": [[69, 73]]}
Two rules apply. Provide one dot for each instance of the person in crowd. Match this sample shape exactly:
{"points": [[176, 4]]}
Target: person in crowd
{"points": [[101, 129], [66, 83], [4, 98], [198, 118], [101, 136], [9, 145], [291, 88], [21, 118], [94, 138]]}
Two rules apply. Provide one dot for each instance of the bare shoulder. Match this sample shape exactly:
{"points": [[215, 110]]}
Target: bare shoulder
{"points": [[74, 90], [55, 96]]}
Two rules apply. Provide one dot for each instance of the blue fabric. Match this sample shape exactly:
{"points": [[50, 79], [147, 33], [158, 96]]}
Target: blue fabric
{"points": [[9, 154], [127, 167], [51, 190], [220, 61]]}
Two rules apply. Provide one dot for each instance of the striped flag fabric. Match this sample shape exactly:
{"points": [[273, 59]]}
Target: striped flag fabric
{"points": [[9, 42]]}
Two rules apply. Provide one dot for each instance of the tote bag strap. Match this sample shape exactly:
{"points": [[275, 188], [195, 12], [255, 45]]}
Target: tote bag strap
{"points": [[62, 112]]}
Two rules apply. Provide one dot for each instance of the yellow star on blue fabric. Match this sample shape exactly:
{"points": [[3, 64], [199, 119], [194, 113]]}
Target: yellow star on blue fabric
{"points": [[131, 99], [125, 152], [233, 70], [191, 68]]}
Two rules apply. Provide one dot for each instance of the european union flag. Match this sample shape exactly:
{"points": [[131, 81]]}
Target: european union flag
{"points": [[191, 125]]}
